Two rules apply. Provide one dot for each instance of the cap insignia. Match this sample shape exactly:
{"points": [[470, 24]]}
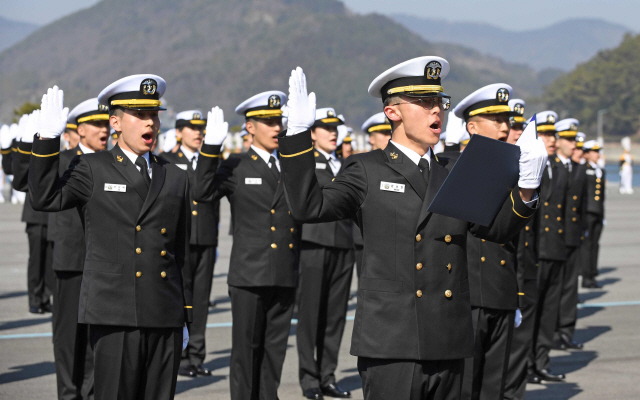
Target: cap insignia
{"points": [[551, 119], [519, 108], [254, 157], [573, 127], [331, 114], [502, 95], [274, 101], [197, 116], [103, 108], [119, 158], [148, 87], [432, 70], [394, 156]]}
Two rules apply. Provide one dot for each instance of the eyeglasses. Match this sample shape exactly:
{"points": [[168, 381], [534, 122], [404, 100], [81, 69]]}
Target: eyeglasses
{"points": [[497, 119], [428, 103]]}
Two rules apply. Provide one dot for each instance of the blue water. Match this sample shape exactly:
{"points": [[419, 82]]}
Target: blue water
{"points": [[613, 174]]}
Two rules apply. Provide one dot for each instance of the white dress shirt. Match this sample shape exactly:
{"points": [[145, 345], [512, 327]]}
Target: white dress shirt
{"points": [[85, 149], [133, 157], [566, 162], [413, 156], [266, 155], [597, 168], [190, 156], [333, 161]]}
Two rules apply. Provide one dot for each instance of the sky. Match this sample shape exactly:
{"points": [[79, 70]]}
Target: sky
{"points": [[514, 15]]}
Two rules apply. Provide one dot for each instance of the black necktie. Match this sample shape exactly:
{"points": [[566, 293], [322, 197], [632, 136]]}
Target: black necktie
{"points": [[274, 169], [424, 166], [190, 166], [142, 163]]}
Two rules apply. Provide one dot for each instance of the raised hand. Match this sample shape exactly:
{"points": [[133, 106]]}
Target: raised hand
{"points": [[302, 106], [533, 158], [217, 129], [53, 114]]}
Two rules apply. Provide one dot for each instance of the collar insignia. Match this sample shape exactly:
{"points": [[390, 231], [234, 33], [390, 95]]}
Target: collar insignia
{"points": [[254, 157], [180, 154], [394, 156], [316, 154], [79, 152], [119, 158]]}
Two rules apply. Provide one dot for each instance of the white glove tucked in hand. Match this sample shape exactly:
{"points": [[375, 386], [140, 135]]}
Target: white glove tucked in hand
{"points": [[533, 158], [518, 318], [217, 129], [5, 137], [302, 107], [185, 337], [53, 115]]}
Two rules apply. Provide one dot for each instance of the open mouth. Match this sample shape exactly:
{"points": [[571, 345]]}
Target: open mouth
{"points": [[103, 139], [147, 138], [435, 127]]}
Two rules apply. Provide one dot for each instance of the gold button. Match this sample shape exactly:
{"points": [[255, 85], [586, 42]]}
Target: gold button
{"points": [[449, 266], [598, 180], [598, 186], [138, 228], [195, 202], [447, 293], [597, 198], [581, 237], [559, 205], [546, 229], [273, 229], [574, 209], [163, 274], [194, 212], [273, 211], [546, 203], [163, 231], [526, 228], [447, 238], [274, 246], [483, 259], [291, 230], [546, 216], [502, 262], [559, 230], [333, 179], [575, 197], [418, 237], [419, 266], [291, 245], [138, 250], [138, 274], [526, 244], [419, 293], [574, 219], [483, 240], [597, 192], [559, 219], [163, 253]]}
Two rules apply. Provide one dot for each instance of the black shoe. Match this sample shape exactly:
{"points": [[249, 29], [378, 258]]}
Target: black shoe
{"points": [[334, 390], [36, 310], [535, 379], [313, 393], [568, 344], [546, 375], [200, 370], [188, 370], [46, 307], [591, 285], [212, 303]]}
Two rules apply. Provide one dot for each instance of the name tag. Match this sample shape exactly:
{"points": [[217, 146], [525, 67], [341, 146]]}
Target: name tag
{"points": [[182, 166], [321, 165], [392, 187], [253, 181], [591, 172], [112, 187]]}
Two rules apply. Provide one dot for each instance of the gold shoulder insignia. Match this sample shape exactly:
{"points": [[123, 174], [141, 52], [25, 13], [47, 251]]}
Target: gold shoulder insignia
{"points": [[316, 154], [254, 157], [436, 158], [180, 154], [394, 156], [119, 158]]}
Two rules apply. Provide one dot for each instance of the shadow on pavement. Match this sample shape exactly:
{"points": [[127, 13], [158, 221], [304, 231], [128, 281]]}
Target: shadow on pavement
{"points": [[606, 270], [218, 310], [220, 362], [193, 383], [23, 323], [571, 362], [585, 335], [9, 295], [22, 372], [351, 382], [588, 311], [591, 295], [555, 391], [608, 281]]}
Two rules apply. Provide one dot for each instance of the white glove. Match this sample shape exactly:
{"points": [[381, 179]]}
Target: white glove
{"points": [[185, 337], [342, 133], [22, 126], [53, 115], [285, 116], [217, 129], [518, 318], [533, 158], [31, 127], [5, 137], [302, 107], [14, 131]]}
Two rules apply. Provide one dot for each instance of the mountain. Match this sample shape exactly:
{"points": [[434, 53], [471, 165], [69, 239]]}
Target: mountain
{"points": [[11, 32], [611, 81], [221, 52], [560, 46]]}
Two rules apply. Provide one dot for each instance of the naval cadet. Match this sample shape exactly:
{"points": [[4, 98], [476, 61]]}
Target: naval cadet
{"points": [[378, 129], [132, 295], [552, 251], [247, 139], [205, 217], [492, 271], [344, 149], [575, 220], [263, 270], [71, 347], [326, 268], [517, 120], [415, 262], [594, 214]]}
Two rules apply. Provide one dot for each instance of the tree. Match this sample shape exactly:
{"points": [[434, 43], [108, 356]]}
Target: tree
{"points": [[26, 108]]}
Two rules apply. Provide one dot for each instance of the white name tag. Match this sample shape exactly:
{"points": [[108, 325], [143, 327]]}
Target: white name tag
{"points": [[182, 166], [253, 181], [112, 187], [321, 166], [591, 172], [392, 187]]}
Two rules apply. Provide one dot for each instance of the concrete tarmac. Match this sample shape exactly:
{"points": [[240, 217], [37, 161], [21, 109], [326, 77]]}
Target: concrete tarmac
{"points": [[608, 324]]}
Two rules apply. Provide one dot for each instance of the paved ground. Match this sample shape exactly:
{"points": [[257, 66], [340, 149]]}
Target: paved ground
{"points": [[606, 369]]}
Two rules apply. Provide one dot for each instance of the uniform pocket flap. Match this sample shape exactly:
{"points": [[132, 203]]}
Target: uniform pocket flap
{"points": [[380, 285]]}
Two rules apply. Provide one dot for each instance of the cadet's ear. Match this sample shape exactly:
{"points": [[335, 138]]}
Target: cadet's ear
{"points": [[114, 121], [250, 127], [393, 113], [179, 134], [472, 126]]}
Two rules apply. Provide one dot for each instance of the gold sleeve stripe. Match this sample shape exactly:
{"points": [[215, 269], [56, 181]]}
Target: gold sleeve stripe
{"points": [[188, 306], [14, 149], [7, 151], [45, 155], [377, 128], [137, 103], [264, 113], [23, 152], [520, 294], [490, 110], [546, 128], [209, 155], [416, 88], [514, 208], [94, 117], [297, 154]]}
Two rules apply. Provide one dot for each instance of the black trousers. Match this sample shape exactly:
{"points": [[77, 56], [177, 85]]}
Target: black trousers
{"points": [[485, 373], [521, 350], [410, 380], [40, 277], [135, 363], [202, 260], [71, 347], [549, 287], [325, 280], [261, 323], [591, 249], [359, 257], [568, 312]]}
